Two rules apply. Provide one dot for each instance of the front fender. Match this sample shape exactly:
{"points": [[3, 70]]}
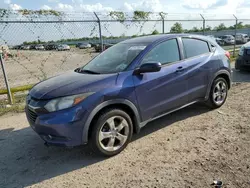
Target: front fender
{"points": [[102, 106]]}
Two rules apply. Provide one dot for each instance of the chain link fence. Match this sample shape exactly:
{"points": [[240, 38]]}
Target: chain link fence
{"points": [[39, 44]]}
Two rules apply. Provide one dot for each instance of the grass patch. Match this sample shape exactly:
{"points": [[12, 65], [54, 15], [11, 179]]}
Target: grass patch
{"points": [[14, 109], [16, 89]]}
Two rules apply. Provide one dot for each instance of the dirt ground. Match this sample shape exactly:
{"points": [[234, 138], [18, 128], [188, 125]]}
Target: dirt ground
{"points": [[189, 148], [31, 66]]}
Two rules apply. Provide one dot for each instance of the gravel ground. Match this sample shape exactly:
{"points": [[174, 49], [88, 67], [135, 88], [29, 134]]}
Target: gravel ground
{"points": [[189, 148], [31, 66]]}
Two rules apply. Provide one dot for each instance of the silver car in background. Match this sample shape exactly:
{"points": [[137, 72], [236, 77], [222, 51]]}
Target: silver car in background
{"points": [[218, 40], [228, 39], [241, 38], [63, 47], [84, 46], [39, 47]]}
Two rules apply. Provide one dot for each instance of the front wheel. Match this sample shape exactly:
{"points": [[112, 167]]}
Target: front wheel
{"points": [[237, 66], [111, 132], [218, 93]]}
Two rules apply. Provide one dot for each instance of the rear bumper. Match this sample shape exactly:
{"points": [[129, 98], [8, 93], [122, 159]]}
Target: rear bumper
{"points": [[62, 128]]}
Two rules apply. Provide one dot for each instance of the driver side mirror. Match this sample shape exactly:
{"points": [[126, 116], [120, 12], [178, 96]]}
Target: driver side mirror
{"points": [[148, 67]]}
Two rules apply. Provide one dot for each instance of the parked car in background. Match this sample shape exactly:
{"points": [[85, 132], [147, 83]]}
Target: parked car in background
{"points": [[93, 45], [26, 47], [122, 89], [82, 43], [241, 38], [98, 47], [228, 39], [21, 47], [63, 47], [85, 45], [39, 47], [78, 44], [17, 47], [218, 40], [32, 46], [50, 46], [243, 61]]}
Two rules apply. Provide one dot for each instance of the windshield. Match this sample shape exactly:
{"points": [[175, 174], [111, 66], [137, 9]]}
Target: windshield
{"points": [[115, 59]]}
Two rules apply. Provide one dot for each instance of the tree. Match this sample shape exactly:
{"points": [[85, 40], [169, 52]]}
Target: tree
{"points": [[220, 27], [176, 28], [195, 29], [240, 25], [208, 28], [155, 32]]}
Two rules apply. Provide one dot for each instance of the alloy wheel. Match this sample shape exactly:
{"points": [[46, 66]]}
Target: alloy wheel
{"points": [[113, 133], [220, 92]]}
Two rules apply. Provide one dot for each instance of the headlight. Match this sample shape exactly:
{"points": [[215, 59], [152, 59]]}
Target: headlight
{"points": [[65, 102], [241, 52]]}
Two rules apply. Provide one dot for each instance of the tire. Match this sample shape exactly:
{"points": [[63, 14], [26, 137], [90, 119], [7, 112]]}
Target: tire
{"points": [[237, 66], [218, 83], [115, 139]]}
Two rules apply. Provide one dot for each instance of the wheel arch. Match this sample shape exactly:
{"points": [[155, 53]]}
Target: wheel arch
{"points": [[221, 73], [122, 104]]}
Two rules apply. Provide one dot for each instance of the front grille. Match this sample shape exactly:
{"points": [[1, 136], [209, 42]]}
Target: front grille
{"points": [[32, 115]]}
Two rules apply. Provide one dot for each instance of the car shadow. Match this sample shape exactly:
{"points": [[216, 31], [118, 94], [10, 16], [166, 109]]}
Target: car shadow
{"points": [[240, 76], [174, 117], [25, 161]]}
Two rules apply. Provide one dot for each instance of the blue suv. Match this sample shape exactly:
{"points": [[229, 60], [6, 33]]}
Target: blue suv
{"points": [[130, 84]]}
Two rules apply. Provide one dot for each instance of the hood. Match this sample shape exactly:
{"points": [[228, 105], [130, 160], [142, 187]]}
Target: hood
{"points": [[72, 83]]}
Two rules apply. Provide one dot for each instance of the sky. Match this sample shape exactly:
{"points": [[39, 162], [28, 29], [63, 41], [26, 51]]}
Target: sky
{"points": [[169, 6], [211, 9]]}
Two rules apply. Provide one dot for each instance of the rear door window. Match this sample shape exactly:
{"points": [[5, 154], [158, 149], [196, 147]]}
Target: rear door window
{"points": [[194, 47]]}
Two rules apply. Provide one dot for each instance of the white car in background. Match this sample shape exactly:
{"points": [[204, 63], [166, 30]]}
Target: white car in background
{"points": [[84, 46], [218, 40], [242, 38], [63, 47], [39, 47], [228, 39]]}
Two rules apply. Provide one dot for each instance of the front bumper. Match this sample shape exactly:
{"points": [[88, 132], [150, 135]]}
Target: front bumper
{"points": [[62, 128]]}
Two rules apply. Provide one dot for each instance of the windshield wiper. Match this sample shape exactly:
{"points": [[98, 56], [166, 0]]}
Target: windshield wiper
{"points": [[87, 71]]}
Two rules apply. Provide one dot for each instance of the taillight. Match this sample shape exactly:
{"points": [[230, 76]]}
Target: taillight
{"points": [[227, 54]]}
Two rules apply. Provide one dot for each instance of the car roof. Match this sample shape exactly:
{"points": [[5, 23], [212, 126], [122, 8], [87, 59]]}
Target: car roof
{"points": [[153, 38]]}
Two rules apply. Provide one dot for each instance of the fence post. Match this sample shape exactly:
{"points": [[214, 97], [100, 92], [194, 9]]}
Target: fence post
{"points": [[235, 31], [6, 79], [100, 30], [163, 23], [163, 26], [204, 23]]}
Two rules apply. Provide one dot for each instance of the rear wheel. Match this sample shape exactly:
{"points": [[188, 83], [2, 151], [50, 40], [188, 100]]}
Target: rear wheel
{"points": [[111, 132], [218, 93]]}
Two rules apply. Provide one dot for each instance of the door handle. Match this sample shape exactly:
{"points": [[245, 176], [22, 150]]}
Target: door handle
{"points": [[179, 69]]}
